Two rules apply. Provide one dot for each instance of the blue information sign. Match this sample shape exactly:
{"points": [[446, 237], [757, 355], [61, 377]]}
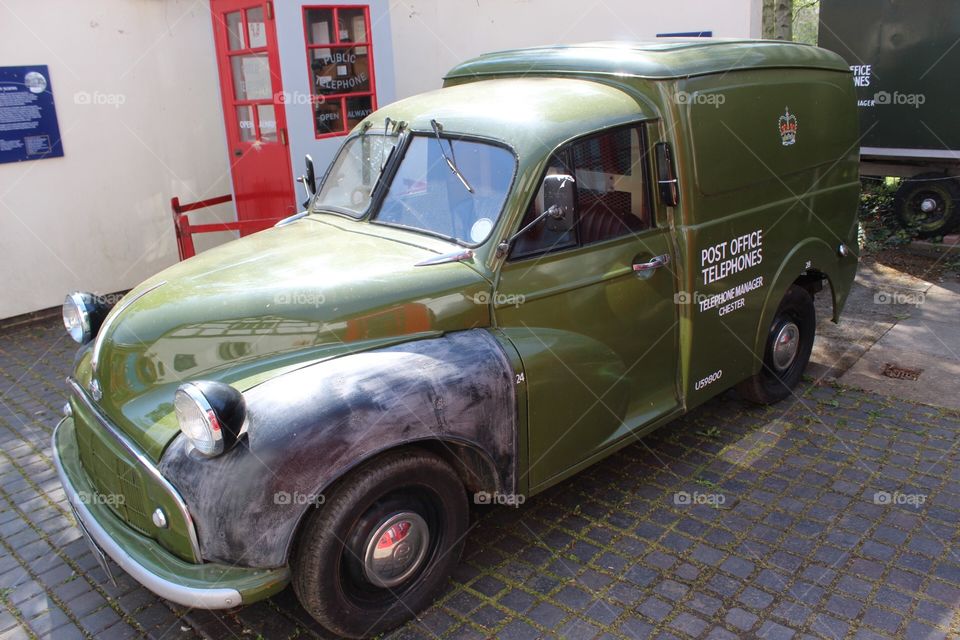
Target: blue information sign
{"points": [[28, 119]]}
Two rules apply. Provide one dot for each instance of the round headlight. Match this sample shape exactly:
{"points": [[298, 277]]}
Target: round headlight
{"points": [[211, 415], [76, 317], [83, 313]]}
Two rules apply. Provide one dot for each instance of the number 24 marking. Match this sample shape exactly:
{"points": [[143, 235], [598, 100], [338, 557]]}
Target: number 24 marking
{"points": [[520, 378]]}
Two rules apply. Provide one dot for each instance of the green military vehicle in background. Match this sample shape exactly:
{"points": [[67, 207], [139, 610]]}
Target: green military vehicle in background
{"points": [[495, 285], [904, 58]]}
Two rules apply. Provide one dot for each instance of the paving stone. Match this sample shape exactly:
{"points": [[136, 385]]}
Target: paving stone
{"points": [[844, 607], [719, 633], [882, 619], [689, 624], [546, 615], [518, 630], [655, 609], [488, 586], [755, 598], [741, 619], [737, 566], [636, 628], [773, 631], [922, 631], [99, 620], [829, 626], [519, 601]]}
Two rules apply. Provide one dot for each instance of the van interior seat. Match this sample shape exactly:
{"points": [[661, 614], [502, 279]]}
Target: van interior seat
{"points": [[606, 215]]}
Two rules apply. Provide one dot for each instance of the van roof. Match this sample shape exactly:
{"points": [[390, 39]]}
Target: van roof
{"points": [[524, 112], [662, 59]]}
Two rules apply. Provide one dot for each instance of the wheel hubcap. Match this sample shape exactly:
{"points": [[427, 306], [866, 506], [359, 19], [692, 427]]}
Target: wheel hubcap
{"points": [[785, 346], [928, 208], [396, 549]]}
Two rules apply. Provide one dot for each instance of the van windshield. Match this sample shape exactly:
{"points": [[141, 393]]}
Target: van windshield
{"points": [[424, 193], [354, 174]]}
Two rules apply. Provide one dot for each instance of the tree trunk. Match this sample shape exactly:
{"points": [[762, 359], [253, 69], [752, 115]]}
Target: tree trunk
{"points": [[767, 20], [783, 29], [777, 19]]}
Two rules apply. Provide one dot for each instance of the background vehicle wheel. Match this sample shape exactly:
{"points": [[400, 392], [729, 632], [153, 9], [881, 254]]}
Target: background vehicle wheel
{"points": [[382, 546], [928, 203], [787, 350]]}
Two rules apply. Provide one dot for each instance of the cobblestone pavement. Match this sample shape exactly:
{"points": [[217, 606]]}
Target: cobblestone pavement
{"points": [[830, 516]]}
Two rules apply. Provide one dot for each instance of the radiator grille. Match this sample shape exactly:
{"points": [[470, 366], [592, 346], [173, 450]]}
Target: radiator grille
{"points": [[118, 482]]}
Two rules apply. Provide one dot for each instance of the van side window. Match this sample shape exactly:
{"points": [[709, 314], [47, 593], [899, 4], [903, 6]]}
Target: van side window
{"points": [[613, 199], [612, 195]]}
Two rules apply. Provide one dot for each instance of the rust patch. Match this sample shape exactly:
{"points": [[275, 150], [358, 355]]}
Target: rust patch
{"points": [[900, 373]]}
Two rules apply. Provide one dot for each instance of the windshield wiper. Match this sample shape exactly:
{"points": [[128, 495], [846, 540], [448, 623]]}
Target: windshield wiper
{"points": [[450, 163]]}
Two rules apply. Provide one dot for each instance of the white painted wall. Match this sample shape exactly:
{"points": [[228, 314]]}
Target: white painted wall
{"points": [[137, 95], [99, 219], [431, 36]]}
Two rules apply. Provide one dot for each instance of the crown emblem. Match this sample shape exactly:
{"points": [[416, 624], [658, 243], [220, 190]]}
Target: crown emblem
{"points": [[788, 127]]}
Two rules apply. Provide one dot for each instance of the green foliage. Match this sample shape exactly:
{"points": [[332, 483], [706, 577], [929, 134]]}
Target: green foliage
{"points": [[806, 21], [713, 432], [879, 227]]}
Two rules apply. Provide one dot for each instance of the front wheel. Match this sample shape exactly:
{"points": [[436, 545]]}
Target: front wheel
{"points": [[787, 350], [381, 547]]}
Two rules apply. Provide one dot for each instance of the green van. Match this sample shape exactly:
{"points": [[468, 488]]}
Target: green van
{"points": [[495, 285]]}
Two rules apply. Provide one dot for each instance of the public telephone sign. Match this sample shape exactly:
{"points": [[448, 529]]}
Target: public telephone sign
{"points": [[28, 118]]}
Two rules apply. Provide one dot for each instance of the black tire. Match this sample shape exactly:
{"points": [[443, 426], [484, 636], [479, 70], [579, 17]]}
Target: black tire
{"points": [[329, 575], [936, 190], [777, 378]]}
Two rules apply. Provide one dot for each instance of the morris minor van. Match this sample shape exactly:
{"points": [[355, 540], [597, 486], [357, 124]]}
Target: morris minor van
{"points": [[493, 286]]}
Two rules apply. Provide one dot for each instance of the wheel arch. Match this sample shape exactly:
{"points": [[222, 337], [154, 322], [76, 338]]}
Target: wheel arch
{"points": [[809, 264], [454, 395]]}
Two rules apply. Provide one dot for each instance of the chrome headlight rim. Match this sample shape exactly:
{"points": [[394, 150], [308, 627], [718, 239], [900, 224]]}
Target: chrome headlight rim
{"points": [[78, 302], [213, 445], [212, 415]]}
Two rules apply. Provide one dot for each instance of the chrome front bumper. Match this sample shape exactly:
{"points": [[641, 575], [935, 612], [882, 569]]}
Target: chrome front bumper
{"points": [[123, 548]]}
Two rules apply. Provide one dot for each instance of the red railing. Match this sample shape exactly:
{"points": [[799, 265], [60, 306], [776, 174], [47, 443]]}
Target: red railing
{"points": [[185, 230]]}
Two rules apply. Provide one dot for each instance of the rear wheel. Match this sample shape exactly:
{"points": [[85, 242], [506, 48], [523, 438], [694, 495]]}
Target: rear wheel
{"points": [[382, 546], [787, 350], [928, 203]]}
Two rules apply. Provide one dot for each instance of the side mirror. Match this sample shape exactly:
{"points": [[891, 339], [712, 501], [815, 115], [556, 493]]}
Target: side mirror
{"points": [[666, 175], [558, 202], [558, 208], [309, 180]]}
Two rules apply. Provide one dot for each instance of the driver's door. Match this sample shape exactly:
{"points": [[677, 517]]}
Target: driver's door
{"points": [[598, 339]]}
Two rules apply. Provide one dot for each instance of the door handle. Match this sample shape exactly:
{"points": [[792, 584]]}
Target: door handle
{"points": [[654, 263], [237, 152]]}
